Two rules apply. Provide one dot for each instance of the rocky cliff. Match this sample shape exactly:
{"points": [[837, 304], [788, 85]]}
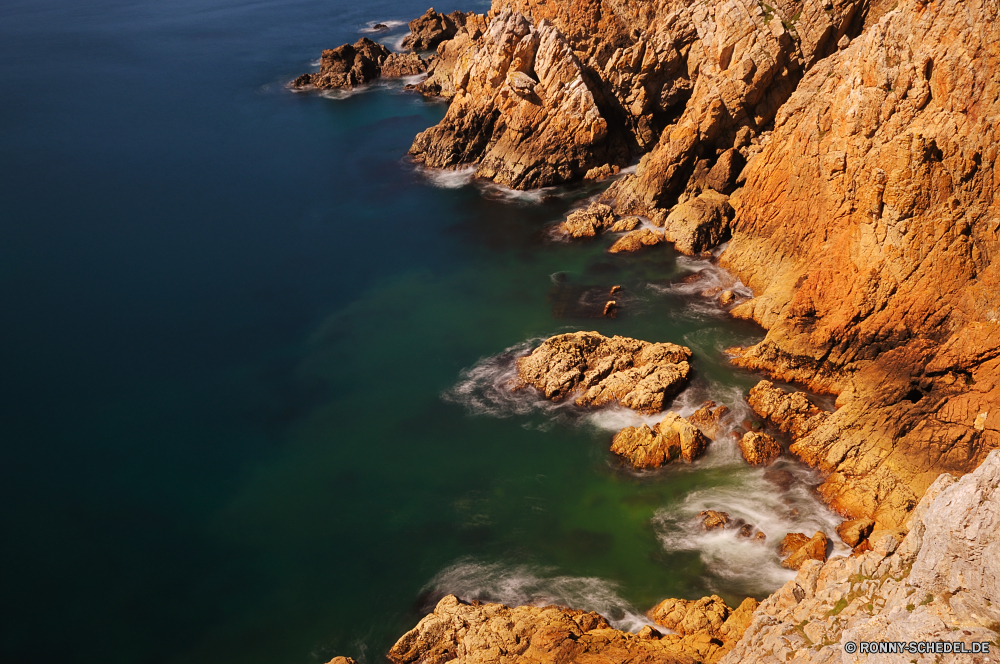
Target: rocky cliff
{"points": [[846, 147]]}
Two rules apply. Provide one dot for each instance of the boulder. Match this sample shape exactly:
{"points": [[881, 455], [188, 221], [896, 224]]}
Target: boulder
{"points": [[346, 66], [699, 224], [588, 222], [671, 439], [813, 549], [637, 374], [429, 30], [625, 224], [791, 543], [722, 176], [706, 629], [712, 520], [342, 660], [779, 477], [636, 240], [759, 449], [709, 418], [855, 531]]}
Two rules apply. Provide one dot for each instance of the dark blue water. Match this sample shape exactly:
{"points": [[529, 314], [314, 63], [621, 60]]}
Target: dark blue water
{"points": [[234, 319]]}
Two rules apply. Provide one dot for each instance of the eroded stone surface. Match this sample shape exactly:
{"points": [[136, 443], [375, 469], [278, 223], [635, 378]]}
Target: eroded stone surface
{"points": [[651, 447], [938, 582], [791, 413], [637, 374], [759, 449]]}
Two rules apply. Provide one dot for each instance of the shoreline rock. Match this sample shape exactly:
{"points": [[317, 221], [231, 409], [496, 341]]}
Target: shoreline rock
{"points": [[352, 65], [636, 374], [671, 439]]}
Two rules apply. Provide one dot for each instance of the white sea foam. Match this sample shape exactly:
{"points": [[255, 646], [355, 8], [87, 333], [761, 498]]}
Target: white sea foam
{"points": [[389, 26], [449, 179], [521, 585], [316, 63], [736, 562]]}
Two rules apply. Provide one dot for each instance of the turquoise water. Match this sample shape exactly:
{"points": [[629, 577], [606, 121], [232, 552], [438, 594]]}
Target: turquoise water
{"points": [[253, 406]]}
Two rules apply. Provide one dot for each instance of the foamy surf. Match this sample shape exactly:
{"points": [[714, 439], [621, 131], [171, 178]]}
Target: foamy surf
{"points": [[524, 585], [448, 179], [389, 26], [734, 562]]}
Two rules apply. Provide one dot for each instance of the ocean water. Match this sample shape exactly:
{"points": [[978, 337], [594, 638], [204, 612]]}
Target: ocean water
{"points": [[254, 403]]}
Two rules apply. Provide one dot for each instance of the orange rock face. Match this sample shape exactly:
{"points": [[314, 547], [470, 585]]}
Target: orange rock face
{"points": [[868, 229]]}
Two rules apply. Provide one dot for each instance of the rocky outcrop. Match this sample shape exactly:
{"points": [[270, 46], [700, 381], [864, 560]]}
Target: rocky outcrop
{"points": [[800, 549], [934, 580], [351, 65], [713, 520], [710, 418], [855, 531], [759, 449], [341, 660], [429, 30], [522, 110], [671, 439], [637, 374], [868, 228], [791, 413], [594, 219], [705, 628], [699, 223], [636, 240], [496, 634]]}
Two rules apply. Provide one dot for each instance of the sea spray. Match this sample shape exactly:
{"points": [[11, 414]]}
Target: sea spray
{"points": [[520, 585]]}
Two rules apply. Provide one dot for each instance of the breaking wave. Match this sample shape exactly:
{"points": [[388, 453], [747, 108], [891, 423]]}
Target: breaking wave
{"points": [[524, 585]]}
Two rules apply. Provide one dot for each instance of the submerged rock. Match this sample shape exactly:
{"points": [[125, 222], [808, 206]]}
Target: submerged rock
{"points": [[671, 439], [637, 374], [759, 449]]}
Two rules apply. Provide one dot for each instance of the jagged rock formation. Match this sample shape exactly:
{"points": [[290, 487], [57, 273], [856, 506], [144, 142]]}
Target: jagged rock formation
{"points": [[709, 418], [496, 634], [801, 548], [342, 660], [351, 65], [856, 531], [938, 583], [759, 449], [637, 374], [705, 628], [429, 30], [868, 229], [597, 218], [791, 413], [522, 110], [671, 439]]}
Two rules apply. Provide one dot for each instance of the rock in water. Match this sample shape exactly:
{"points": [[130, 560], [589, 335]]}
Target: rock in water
{"points": [[342, 660], [346, 66], [791, 413], [588, 222], [429, 30], [712, 520], [490, 633], [673, 438], [522, 110], [699, 224], [709, 418], [351, 65], [812, 549], [759, 449], [939, 583], [637, 374], [636, 240]]}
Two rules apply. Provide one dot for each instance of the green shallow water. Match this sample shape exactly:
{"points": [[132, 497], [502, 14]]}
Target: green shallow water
{"points": [[254, 403]]}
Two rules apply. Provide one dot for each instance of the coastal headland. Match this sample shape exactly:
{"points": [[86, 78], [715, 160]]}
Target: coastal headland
{"points": [[843, 152]]}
